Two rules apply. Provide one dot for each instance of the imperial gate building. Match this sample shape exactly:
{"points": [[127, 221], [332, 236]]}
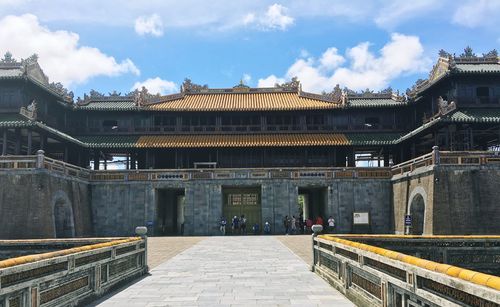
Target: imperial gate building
{"points": [[103, 164]]}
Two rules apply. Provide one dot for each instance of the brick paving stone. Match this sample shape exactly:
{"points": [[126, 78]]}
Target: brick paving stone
{"points": [[232, 271]]}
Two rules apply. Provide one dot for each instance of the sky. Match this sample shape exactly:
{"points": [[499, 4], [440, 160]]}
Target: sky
{"points": [[122, 45]]}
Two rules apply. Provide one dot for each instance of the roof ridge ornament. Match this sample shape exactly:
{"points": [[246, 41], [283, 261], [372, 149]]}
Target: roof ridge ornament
{"points": [[7, 58], [8, 62], [189, 87], [293, 84], [241, 87]]}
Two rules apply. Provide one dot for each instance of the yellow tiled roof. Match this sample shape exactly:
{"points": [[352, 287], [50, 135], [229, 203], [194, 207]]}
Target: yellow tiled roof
{"points": [[238, 140], [242, 102]]}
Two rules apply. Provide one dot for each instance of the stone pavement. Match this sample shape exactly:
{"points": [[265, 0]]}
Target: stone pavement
{"points": [[300, 245], [161, 249], [231, 271]]}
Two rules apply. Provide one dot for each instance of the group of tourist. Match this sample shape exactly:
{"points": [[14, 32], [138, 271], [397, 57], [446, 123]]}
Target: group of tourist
{"points": [[292, 225], [239, 226], [300, 225]]}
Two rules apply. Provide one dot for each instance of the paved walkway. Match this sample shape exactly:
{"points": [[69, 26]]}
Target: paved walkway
{"points": [[231, 271], [161, 249]]}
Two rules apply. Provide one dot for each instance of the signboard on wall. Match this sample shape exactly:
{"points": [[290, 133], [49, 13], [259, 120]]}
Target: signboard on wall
{"points": [[407, 220], [361, 218]]}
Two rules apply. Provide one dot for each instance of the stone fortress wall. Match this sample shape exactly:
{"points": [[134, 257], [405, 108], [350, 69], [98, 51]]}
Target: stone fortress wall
{"points": [[32, 200], [118, 207], [47, 202]]}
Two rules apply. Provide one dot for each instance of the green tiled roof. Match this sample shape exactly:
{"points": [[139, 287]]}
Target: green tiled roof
{"points": [[475, 116], [8, 120], [113, 105], [58, 133], [418, 130], [110, 141], [372, 138], [477, 68], [374, 102]]}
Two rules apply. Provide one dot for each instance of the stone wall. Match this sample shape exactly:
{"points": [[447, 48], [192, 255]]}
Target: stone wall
{"points": [[466, 200], [459, 199], [405, 188], [117, 208], [27, 200]]}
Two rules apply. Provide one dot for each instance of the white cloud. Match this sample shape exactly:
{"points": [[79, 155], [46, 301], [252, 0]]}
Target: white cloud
{"points": [[270, 81], [274, 18], [477, 13], [331, 59], [229, 14], [157, 85], [60, 55], [396, 12], [247, 78], [149, 25], [362, 68]]}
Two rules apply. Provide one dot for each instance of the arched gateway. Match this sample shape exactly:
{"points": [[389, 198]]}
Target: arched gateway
{"points": [[416, 209], [64, 224]]}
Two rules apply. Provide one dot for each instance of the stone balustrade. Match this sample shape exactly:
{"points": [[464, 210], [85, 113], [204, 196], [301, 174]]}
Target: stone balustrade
{"points": [[71, 276], [435, 157], [370, 275]]}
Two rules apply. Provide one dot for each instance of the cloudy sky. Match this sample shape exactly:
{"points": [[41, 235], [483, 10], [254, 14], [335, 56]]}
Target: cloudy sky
{"points": [[122, 45]]}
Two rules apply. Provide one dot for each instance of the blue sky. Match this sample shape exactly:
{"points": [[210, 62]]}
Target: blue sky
{"points": [[119, 45]]}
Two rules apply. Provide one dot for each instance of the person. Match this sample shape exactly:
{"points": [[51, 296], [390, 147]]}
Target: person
{"points": [[255, 229], [331, 224], [319, 220], [293, 225], [301, 222], [286, 223], [235, 224], [222, 227], [309, 223], [243, 225], [267, 228]]}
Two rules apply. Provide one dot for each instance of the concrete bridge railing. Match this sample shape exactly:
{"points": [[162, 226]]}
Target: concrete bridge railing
{"points": [[71, 276], [373, 276]]}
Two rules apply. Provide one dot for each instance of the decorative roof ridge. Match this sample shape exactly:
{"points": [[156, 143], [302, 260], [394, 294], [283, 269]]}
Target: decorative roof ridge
{"points": [[392, 96], [447, 62], [165, 98], [188, 87], [249, 90], [31, 70], [387, 93], [8, 62], [96, 97], [320, 97]]}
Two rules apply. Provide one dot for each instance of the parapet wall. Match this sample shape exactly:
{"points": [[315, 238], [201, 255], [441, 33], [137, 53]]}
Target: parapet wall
{"points": [[377, 276], [72, 276]]}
